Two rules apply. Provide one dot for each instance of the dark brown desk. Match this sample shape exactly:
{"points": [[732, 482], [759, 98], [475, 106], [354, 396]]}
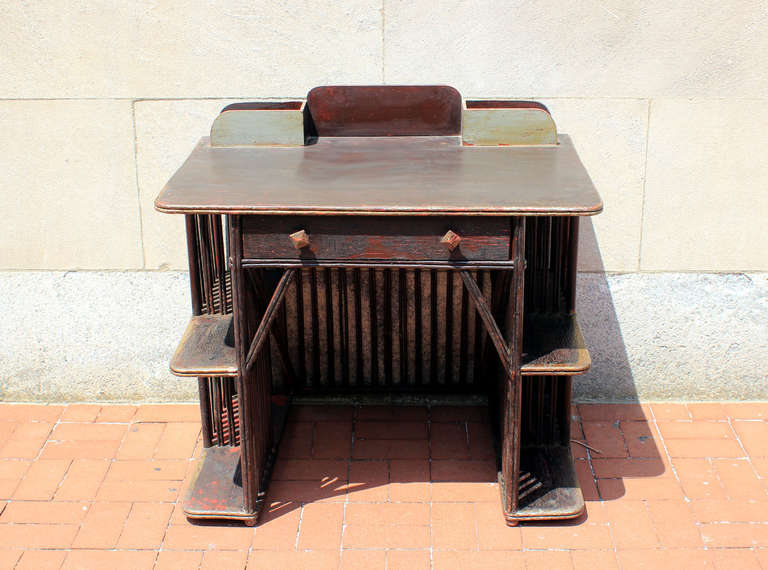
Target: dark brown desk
{"points": [[378, 264]]}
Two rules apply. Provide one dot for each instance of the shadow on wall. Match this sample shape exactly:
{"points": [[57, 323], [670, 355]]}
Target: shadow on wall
{"points": [[688, 335], [625, 456], [610, 377]]}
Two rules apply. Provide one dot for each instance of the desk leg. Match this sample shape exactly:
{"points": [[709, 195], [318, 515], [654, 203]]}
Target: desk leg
{"points": [[512, 382], [508, 344], [254, 319], [548, 487], [253, 386]]}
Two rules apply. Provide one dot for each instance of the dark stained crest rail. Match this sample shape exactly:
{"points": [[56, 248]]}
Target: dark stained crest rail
{"points": [[393, 111]]}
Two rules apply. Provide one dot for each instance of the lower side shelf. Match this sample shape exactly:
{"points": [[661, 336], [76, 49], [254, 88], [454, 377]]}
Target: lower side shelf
{"points": [[548, 486], [215, 490]]}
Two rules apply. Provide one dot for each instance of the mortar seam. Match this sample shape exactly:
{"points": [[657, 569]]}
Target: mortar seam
{"points": [[138, 188], [645, 184]]}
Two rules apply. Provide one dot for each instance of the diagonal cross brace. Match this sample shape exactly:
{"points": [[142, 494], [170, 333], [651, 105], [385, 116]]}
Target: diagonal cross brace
{"points": [[488, 321], [277, 334], [269, 315]]}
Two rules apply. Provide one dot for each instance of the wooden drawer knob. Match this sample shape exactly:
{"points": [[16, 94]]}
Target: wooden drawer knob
{"points": [[300, 239], [451, 240]]}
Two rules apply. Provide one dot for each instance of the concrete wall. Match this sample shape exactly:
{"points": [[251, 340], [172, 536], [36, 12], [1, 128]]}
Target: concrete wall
{"points": [[666, 104]]}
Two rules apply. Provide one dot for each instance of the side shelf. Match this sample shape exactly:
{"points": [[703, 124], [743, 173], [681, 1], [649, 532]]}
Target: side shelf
{"points": [[202, 350], [553, 345], [215, 489], [549, 487]]}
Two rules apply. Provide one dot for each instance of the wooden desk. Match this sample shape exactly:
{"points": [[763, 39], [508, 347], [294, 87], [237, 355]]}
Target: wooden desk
{"points": [[408, 264]]}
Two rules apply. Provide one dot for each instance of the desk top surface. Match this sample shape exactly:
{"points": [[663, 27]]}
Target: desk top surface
{"points": [[382, 175]]}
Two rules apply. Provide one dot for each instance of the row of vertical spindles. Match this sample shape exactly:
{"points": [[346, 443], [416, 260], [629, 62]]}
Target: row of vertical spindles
{"points": [[549, 270], [381, 329], [211, 291]]}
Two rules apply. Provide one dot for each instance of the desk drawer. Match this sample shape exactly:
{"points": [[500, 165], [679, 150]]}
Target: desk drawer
{"points": [[376, 238]]}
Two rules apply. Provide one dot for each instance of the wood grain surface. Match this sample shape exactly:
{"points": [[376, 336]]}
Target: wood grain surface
{"points": [[375, 238], [383, 175]]}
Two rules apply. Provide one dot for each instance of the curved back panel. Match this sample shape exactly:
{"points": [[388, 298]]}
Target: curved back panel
{"points": [[385, 110]]}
